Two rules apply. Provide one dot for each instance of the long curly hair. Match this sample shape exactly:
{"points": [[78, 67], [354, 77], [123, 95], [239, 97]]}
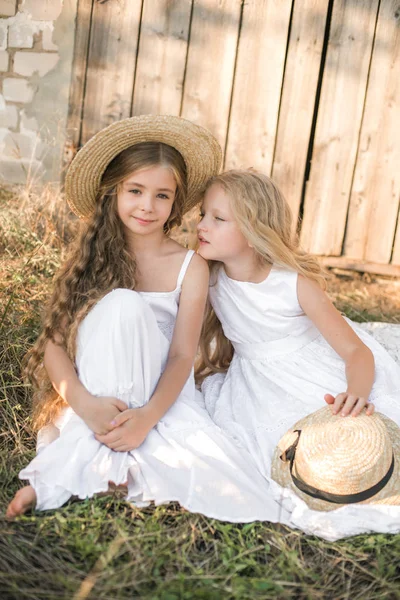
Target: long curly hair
{"points": [[265, 219], [98, 262]]}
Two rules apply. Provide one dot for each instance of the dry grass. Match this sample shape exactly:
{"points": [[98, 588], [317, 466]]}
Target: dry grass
{"points": [[365, 297], [103, 548]]}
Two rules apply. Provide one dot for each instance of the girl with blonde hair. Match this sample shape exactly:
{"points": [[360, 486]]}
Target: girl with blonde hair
{"points": [[112, 370], [274, 348]]}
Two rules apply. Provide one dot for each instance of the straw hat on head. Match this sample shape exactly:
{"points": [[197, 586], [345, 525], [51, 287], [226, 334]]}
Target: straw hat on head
{"points": [[200, 150], [330, 461]]}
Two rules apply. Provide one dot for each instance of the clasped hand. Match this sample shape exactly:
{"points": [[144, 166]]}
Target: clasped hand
{"points": [[348, 404], [98, 412], [113, 424], [130, 430]]}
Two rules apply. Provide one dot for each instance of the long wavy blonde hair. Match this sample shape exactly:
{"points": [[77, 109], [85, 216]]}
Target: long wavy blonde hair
{"points": [[98, 262], [265, 219]]}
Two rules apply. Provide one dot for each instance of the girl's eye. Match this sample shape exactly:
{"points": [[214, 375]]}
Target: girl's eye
{"points": [[135, 191], [219, 219], [201, 214], [163, 196]]}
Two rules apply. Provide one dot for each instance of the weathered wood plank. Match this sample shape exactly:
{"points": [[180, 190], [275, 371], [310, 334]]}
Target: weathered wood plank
{"points": [[210, 64], [162, 57], [298, 99], [375, 195], [258, 82], [338, 125], [77, 86], [111, 65], [343, 262]]}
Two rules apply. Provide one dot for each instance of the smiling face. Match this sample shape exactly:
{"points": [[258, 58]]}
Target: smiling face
{"points": [[219, 235], [145, 200]]}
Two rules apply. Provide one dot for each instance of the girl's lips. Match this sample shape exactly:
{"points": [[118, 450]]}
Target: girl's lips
{"points": [[143, 221], [203, 241]]}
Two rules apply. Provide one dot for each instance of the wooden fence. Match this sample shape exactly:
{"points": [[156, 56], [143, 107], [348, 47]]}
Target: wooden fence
{"points": [[305, 90]]}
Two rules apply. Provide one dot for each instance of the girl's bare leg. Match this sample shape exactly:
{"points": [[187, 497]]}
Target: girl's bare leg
{"points": [[23, 500]]}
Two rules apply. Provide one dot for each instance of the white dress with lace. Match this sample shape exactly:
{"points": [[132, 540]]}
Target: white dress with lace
{"points": [[123, 345], [281, 369]]}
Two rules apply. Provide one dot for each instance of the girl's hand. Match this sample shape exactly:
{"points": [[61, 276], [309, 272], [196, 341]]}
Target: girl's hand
{"points": [[99, 412], [349, 404], [130, 430]]}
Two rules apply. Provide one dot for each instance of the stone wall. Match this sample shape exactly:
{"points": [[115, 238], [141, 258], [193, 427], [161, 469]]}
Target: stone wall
{"points": [[36, 52]]}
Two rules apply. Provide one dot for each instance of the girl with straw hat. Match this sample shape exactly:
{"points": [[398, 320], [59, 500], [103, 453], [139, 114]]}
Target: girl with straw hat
{"points": [[115, 389], [277, 347]]}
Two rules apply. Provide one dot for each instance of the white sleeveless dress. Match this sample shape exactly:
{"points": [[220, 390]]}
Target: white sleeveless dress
{"points": [[123, 345], [281, 369]]}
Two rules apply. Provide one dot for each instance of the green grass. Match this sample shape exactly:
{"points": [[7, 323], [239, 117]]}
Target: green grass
{"points": [[103, 548]]}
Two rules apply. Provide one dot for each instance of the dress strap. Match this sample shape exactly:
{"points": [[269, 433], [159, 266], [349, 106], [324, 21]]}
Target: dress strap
{"points": [[184, 267]]}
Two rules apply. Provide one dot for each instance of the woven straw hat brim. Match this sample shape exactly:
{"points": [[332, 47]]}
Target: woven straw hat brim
{"points": [[280, 470], [200, 150]]}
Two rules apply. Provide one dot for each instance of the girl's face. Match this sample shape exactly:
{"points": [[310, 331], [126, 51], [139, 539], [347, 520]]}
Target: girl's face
{"points": [[145, 200], [218, 232]]}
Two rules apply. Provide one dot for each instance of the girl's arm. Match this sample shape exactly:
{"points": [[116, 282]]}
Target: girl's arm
{"points": [[96, 412], [358, 358], [185, 340], [134, 424]]}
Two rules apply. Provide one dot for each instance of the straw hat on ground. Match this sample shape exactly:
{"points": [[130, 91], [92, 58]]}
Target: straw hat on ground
{"points": [[330, 461], [199, 149]]}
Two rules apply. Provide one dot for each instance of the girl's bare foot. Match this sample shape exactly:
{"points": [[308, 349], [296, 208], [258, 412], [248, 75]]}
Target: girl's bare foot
{"points": [[23, 500]]}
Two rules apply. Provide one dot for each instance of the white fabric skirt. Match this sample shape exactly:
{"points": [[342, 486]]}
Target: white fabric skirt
{"points": [[257, 401], [185, 458]]}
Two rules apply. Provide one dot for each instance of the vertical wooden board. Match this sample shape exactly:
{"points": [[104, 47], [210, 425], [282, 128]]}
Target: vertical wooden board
{"points": [[258, 82], [111, 64], [376, 188], [338, 125], [210, 64], [78, 77], [162, 57], [298, 98]]}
